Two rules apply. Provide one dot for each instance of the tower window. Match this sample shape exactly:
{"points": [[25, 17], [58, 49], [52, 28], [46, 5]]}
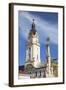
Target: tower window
{"points": [[29, 52], [36, 74], [37, 57], [37, 54], [40, 73]]}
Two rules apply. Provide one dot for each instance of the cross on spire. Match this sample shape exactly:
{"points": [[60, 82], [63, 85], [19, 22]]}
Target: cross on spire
{"points": [[33, 24]]}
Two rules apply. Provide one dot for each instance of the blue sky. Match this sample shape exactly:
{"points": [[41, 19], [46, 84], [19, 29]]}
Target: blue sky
{"points": [[46, 26]]}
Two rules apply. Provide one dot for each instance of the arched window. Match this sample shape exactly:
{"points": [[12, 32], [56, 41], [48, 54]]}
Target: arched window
{"points": [[40, 73], [37, 56], [29, 52], [36, 74]]}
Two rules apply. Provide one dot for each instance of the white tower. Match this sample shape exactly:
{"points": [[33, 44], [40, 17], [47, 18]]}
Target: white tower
{"points": [[33, 48], [49, 69]]}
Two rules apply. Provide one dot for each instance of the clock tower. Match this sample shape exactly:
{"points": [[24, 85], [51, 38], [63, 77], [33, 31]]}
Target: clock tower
{"points": [[33, 48]]}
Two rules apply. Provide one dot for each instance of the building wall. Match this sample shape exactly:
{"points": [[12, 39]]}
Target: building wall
{"points": [[38, 73]]}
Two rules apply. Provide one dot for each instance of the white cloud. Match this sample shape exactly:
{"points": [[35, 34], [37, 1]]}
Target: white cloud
{"points": [[44, 28]]}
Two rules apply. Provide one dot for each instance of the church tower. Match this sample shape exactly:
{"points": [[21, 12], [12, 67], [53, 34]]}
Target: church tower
{"points": [[49, 69], [33, 48]]}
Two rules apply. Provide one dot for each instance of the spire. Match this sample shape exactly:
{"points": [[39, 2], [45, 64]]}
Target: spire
{"points": [[33, 29], [48, 49], [48, 58]]}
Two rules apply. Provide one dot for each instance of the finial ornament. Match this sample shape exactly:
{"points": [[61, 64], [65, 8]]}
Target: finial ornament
{"points": [[48, 39], [33, 20], [33, 24]]}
